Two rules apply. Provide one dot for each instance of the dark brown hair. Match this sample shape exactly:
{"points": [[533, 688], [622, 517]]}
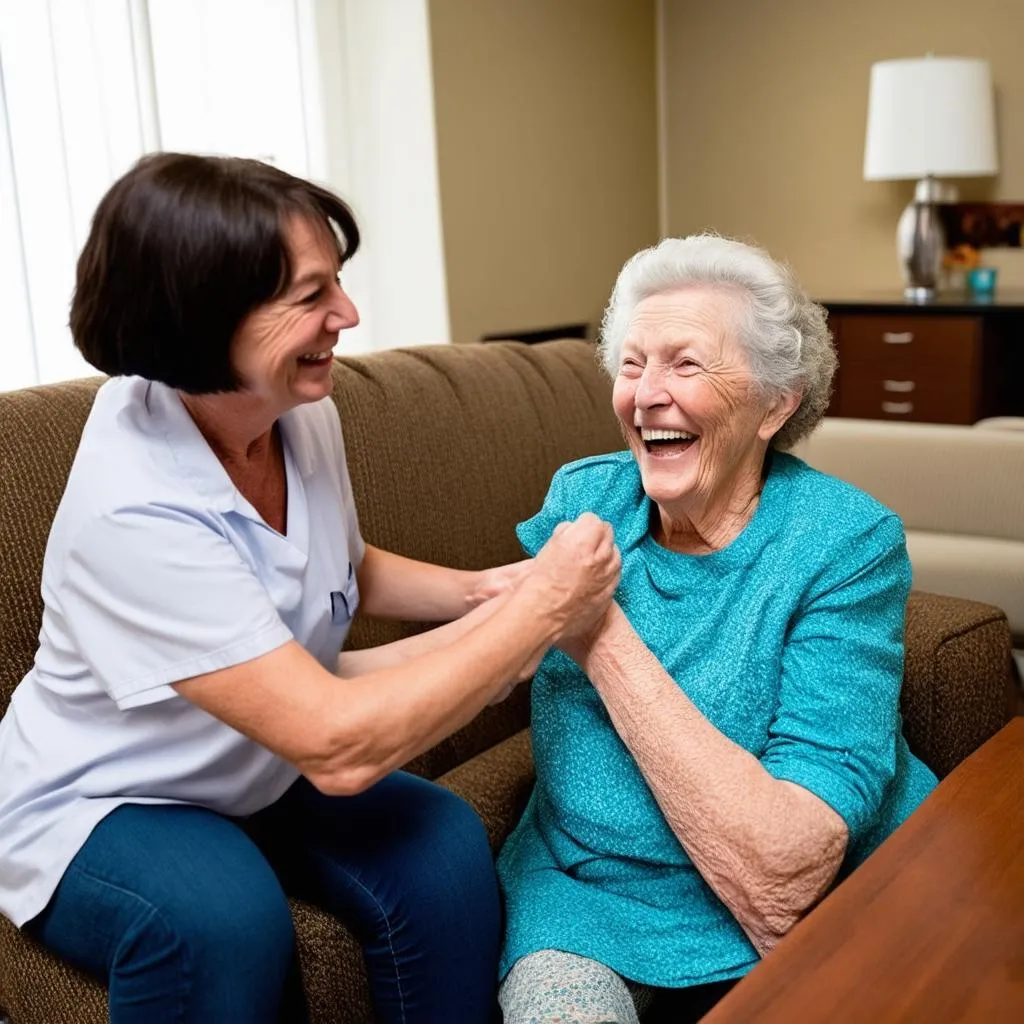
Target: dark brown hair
{"points": [[182, 248]]}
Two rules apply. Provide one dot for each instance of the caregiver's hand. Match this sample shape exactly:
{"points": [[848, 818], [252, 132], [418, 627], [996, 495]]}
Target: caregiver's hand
{"points": [[491, 583], [576, 573]]}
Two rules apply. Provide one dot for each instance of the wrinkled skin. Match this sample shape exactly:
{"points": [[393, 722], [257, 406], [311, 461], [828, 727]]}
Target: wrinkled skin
{"points": [[683, 368]]}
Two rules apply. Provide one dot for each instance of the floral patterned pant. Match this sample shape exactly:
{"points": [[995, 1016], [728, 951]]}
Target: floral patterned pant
{"points": [[552, 987]]}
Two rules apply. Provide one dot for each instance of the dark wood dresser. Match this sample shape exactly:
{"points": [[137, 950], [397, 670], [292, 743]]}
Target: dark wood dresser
{"points": [[952, 360]]}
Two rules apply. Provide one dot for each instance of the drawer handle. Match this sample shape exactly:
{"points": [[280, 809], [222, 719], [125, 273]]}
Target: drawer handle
{"points": [[899, 408], [897, 337], [898, 385]]}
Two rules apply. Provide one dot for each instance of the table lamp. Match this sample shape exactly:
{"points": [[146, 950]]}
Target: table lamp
{"points": [[928, 117]]}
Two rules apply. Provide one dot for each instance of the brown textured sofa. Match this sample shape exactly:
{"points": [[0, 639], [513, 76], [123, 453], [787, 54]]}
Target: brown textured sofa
{"points": [[449, 447]]}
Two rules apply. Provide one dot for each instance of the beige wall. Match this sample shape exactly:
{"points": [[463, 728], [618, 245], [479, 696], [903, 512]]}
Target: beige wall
{"points": [[766, 103], [547, 152]]}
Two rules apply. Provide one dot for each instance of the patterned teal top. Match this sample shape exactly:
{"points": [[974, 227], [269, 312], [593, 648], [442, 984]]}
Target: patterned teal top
{"points": [[789, 640]]}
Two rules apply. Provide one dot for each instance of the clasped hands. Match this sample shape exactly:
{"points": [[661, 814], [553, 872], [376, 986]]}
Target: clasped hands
{"points": [[571, 581]]}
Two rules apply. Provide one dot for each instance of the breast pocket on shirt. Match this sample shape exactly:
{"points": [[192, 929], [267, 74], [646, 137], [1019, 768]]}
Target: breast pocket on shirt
{"points": [[345, 601]]}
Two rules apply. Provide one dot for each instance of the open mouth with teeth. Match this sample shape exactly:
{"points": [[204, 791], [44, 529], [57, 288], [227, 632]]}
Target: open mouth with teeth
{"points": [[667, 443], [316, 358]]}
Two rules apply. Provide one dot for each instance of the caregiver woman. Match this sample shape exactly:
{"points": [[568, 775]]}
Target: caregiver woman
{"points": [[181, 755]]}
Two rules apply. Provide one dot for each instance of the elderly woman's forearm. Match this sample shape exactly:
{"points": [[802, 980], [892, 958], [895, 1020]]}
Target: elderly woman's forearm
{"points": [[768, 848], [770, 880]]}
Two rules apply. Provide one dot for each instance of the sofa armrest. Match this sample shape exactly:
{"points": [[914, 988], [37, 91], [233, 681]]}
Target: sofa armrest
{"points": [[496, 784], [957, 686]]}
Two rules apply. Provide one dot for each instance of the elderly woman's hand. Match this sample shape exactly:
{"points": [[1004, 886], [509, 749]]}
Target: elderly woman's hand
{"points": [[579, 645]]}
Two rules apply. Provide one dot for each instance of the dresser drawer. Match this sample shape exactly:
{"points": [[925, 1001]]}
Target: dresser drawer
{"points": [[955, 360], [869, 393], [947, 344]]}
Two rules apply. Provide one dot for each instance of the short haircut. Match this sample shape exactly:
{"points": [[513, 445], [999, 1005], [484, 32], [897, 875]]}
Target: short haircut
{"points": [[784, 334], [182, 248]]}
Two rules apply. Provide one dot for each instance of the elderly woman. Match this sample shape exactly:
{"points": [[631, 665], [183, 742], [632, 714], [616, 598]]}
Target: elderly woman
{"points": [[181, 754], [727, 737]]}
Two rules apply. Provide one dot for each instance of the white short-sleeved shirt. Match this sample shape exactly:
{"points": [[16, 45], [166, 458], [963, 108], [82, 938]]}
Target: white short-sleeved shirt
{"points": [[157, 569]]}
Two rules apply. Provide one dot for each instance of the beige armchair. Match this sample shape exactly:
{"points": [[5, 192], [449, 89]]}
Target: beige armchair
{"points": [[959, 491]]}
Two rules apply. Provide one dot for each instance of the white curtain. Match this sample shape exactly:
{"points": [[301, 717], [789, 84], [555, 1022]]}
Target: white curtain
{"points": [[335, 90]]}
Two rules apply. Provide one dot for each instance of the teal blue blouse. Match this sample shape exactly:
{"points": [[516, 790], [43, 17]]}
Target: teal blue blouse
{"points": [[789, 640]]}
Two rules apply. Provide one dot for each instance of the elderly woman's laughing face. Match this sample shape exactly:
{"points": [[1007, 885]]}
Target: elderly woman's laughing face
{"points": [[691, 411]]}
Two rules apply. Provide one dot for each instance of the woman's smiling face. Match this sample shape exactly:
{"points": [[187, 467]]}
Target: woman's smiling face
{"points": [[282, 350], [689, 407]]}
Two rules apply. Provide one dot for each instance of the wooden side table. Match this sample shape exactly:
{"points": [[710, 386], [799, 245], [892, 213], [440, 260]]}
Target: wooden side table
{"points": [[930, 928], [953, 360]]}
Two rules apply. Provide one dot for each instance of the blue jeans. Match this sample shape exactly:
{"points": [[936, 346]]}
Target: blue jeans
{"points": [[183, 911]]}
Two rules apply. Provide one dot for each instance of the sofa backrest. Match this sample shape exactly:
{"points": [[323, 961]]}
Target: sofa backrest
{"points": [[448, 448], [938, 477], [39, 432], [959, 491]]}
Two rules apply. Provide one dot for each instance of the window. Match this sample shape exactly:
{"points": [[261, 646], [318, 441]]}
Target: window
{"points": [[335, 90]]}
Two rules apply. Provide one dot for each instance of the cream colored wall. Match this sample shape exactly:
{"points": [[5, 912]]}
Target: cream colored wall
{"points": [[765, 113], [547, 151]]}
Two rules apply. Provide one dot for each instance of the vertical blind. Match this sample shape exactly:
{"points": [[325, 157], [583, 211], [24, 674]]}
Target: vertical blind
{"points": [[88, 86]]}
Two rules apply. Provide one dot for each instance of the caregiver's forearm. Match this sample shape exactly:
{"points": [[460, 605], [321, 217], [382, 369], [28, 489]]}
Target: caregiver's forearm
{"points": [[395, 587], [359, 663], [768, 848]]}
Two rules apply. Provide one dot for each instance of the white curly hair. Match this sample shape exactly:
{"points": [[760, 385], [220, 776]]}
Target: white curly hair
{"points": [[784, 334]]}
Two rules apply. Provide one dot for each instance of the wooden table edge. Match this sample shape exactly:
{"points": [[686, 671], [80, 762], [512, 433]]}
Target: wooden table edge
{"points": [[772, 986]]}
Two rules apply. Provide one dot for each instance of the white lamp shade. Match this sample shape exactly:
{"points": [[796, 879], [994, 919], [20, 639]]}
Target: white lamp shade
{"points": [[930, 115]]}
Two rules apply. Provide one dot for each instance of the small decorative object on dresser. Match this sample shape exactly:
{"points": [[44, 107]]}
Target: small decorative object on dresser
{"points": [[956, 359], [982, 282]]}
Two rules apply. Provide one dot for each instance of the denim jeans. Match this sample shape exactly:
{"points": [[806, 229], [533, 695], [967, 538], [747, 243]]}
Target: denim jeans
{"points": [[183, 911]]}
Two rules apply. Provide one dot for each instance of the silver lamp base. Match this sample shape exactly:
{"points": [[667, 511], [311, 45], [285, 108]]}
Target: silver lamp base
{"points": [[921, 242]]}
